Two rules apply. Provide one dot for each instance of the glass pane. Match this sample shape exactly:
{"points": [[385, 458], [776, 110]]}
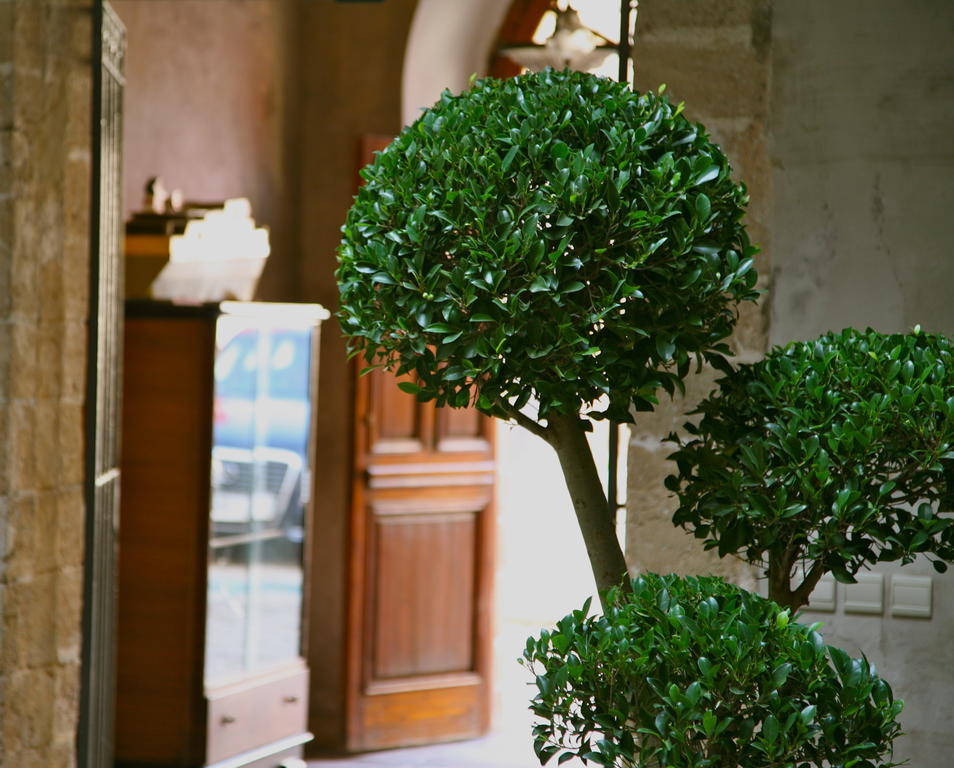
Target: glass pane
{"points": [[227, 613], [275, 633], [259, 490]]}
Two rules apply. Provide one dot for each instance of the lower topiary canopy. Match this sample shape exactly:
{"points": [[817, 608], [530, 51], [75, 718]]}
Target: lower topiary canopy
{"points": [[555, 236], [699, 673]]}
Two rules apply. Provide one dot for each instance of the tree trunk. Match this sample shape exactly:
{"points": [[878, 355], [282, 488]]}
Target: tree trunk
{"points": [[566, 435], [780, 582]]}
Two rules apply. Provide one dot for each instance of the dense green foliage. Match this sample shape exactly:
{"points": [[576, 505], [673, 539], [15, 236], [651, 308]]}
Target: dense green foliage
{"points": [[827, 456], [554, 236], [686, 673]]}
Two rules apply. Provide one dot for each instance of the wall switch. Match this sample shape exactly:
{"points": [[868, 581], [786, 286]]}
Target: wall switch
{"points": [[911, 596], [867, 595], [822, 597]]}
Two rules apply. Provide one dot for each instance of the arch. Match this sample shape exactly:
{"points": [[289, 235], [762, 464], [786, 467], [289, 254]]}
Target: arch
{"points": [[448, 43]]}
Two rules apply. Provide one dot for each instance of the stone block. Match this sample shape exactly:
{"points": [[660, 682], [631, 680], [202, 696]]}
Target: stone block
{"points": [[75, 255], [714, 82], [44, 532], [653, 543], [29, 33], [69, 539], [23, 359], [76, 199], [29, 712], [671, 413], [655, 15], [21, 537], [7, 20], [68, 619], [73, 362], [47, 447], [24, 296], [71, 443], [42, 616], [750, 339], [50, 275], [49, 360], [20, 443], [32, 105], [66, 710]]}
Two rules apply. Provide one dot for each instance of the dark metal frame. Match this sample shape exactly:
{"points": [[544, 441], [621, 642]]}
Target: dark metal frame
{"points": [[103, 385]]}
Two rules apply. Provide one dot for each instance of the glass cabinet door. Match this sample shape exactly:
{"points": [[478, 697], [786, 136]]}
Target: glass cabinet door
{"points": [[259, 489]]}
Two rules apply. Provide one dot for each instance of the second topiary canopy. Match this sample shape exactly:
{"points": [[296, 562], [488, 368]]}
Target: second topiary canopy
{"points": [[556, 237], [827, 456]]}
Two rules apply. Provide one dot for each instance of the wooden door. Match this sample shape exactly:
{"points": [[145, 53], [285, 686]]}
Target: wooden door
{"points": [[421, 570], [421, 560]]}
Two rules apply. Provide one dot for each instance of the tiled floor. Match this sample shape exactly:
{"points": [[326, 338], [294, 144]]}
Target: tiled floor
{"points": [[493, 751]]}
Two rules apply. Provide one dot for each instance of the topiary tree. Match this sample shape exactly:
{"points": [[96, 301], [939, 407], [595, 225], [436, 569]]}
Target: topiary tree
{"points": [[696, 672], [553, 239], [827, 456]]}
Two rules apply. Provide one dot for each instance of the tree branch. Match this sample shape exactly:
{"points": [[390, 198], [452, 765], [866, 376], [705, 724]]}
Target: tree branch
{"points": [[803, 592], [526, 422]]}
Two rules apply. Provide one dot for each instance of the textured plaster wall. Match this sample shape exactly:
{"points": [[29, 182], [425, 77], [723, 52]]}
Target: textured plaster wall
{"points": [[862, 233], [206, 109], [716, 57], [44, 248], [862, 108]]}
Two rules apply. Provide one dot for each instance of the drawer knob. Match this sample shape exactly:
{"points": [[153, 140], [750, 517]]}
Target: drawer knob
{"points": [[227, 720], [290, 699]]}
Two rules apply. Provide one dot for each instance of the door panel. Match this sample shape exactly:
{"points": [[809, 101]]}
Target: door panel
{"points": [[398, 423], [460, 429], [422, 625], [423, 655]]}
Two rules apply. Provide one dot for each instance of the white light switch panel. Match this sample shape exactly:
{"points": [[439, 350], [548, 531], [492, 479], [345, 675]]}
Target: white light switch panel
{"points": [[823, 596], [911, 596], [867, 596]]}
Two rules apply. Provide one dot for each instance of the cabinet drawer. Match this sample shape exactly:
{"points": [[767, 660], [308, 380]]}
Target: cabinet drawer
{"points": [[242, 718]]}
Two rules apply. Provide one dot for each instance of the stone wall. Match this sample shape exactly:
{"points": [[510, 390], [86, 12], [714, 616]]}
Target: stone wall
{"points": [[714, 56], [44, 246]]}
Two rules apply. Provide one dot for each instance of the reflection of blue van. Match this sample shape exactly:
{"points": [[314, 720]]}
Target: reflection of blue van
{"points": [[261, 428], [271, 408]]}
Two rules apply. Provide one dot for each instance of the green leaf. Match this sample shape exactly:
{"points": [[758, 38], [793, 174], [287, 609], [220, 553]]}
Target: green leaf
{"points": [[539, 284], [410, 387], [770, 729], [703, 207], [708, 174], [440, 328], [780, 674], [508, 158]]}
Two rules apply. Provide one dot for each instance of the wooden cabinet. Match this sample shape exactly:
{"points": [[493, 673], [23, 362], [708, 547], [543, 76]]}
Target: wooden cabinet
{"points": [[218, 403]]}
